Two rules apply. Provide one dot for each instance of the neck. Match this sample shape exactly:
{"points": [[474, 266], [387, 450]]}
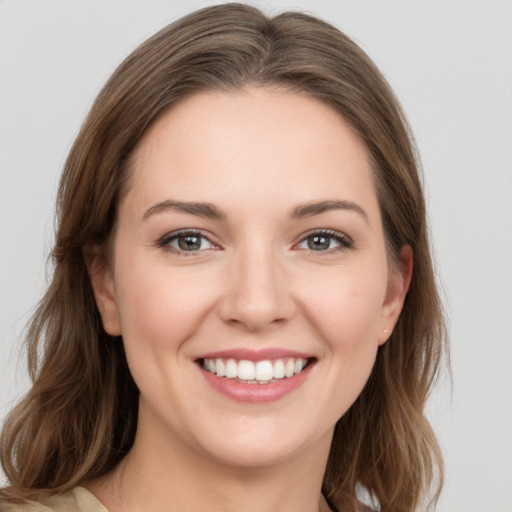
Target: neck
{"points": [[173, 476]]}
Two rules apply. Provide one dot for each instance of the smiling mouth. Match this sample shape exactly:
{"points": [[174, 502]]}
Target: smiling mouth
{"points": [[260, 372]]}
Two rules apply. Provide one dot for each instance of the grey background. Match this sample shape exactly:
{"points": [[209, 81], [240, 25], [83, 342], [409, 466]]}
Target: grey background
{"points": [[450, 63]]}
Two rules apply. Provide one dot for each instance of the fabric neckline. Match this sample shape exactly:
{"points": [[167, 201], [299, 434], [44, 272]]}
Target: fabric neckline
{"points": [[83, 495]]}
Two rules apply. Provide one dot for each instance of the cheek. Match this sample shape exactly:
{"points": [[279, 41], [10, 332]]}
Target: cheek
{"points": [[347, 308], [346, 318], [160, 307]]}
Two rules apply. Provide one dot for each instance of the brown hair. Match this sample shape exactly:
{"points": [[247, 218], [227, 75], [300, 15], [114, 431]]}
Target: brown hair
{"points": [[79, 418]]}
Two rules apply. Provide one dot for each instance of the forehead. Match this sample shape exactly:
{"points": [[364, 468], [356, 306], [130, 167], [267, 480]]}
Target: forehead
{"points": [[250, 143]]}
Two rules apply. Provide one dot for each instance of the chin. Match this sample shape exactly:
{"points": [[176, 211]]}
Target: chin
{"points": [[242, 455], [257, 443]]}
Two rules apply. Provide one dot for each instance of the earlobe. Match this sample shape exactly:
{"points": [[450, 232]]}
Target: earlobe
{"points": [[103, 288], [396, 293]]}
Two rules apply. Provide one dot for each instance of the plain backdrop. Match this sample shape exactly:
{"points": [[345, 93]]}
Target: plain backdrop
{"points": [[450, 63]]}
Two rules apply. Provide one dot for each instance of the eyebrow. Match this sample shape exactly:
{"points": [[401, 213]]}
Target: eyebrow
{"points": [[316, 208], [206, 210], [210, 211]]}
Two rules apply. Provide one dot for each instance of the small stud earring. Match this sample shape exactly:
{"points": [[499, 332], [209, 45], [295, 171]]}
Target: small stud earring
{"points": [[385, 331]]}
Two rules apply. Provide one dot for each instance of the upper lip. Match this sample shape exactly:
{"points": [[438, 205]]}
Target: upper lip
{"points": [[255, 355]]}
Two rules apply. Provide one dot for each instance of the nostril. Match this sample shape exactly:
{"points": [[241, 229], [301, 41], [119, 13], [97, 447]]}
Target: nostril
{"points": [[254, 323]]}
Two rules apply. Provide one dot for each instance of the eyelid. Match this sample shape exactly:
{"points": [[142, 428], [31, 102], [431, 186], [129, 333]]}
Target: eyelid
{"points": [[344, 240], [164, 241]]}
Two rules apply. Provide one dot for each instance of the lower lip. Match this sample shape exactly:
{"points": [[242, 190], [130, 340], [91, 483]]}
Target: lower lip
{"points": [[256, 393]]}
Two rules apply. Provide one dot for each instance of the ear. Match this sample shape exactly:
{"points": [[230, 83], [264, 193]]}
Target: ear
{"points": [[398, 287], [103, 287]]}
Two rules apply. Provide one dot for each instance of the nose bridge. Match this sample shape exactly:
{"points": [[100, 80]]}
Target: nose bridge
{"points": [[257, 294]]}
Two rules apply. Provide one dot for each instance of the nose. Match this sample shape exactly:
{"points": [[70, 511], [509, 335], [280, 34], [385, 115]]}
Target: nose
{"points": [[257, 295]]}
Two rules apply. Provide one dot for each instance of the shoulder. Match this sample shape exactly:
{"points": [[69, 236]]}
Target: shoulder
{"points": [[27, 506], [76, 500]]}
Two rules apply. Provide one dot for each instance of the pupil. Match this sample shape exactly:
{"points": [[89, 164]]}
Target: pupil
{"points": [[318, 243], [189, 243]]}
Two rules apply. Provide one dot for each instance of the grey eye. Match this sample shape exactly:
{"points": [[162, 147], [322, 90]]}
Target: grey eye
{"points": [[319, 242], [190, 242], [327, 241]]}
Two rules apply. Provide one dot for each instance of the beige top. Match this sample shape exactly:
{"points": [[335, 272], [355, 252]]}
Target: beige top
{"points": [[76, 500]]}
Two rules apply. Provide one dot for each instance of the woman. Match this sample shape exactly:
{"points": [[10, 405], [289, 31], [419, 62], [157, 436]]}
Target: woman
{"points": [[243, 313]]}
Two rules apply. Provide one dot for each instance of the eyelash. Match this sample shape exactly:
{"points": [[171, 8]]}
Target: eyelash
{"points": [[166, 240], [343, 240]]}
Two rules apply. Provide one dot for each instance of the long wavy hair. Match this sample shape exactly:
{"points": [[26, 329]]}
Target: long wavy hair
{"points": [[79, 418]]}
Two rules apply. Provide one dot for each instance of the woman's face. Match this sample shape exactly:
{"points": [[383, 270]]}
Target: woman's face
{"points": [[249, 242]]}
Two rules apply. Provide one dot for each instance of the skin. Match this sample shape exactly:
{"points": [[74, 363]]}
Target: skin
{"points": [[256, 155]]}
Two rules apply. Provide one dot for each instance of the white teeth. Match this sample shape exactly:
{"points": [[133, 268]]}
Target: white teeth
{"points": [[279, 369], [261, 372], [220, 368], [289, 369], [264, 370], [299, 365], [231, 369], [245, 370]]}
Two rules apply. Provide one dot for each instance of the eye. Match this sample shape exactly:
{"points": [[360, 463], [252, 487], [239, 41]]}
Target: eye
{"points": [[325, 241], [186, 242]]}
